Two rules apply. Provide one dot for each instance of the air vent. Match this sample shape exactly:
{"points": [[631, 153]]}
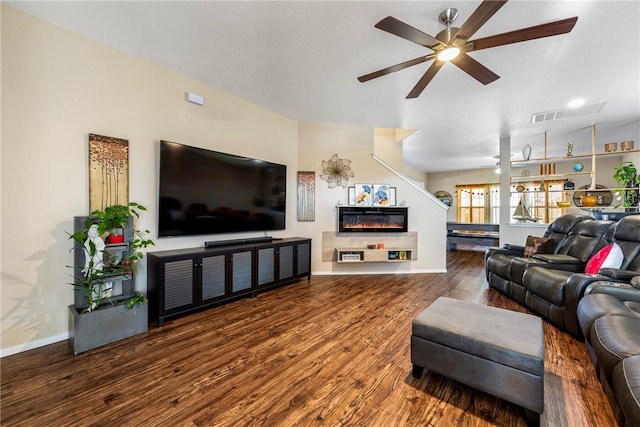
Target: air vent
{"points": [[571, 112]]}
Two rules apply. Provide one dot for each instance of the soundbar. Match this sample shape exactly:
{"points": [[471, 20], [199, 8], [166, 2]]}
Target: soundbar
{"points": [[216, 243]]}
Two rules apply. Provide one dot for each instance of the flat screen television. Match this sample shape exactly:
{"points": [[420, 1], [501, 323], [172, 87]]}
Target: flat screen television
{"points": [[207, 192]]}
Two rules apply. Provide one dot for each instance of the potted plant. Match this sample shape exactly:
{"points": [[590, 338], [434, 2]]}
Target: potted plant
{"points": [[625, 177], [113, 219], [102, 314]]}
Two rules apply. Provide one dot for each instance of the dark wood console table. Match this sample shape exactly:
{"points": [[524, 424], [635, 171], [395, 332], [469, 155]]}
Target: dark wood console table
{"points": [[472, 233]]}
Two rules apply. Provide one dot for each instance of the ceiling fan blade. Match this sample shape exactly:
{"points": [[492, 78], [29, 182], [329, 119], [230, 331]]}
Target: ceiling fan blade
{"points": [[406, 31], [478, 18], [395, 68], [475, 69], [536, 32], [426, 78]]}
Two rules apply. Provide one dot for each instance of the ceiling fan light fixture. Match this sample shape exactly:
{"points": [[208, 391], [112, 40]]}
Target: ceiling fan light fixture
{"points": [[449, 53]]}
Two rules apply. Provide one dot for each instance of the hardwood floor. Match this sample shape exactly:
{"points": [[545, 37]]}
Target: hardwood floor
{"points": [[331, 351]]}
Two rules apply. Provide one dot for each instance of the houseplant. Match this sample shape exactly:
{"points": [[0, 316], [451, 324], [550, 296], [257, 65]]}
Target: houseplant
{"points": [[625, 177], [106, 307], [92, 279]]}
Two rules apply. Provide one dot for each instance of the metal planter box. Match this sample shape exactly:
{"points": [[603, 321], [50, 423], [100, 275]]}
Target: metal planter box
{"points": [[106, 325]]}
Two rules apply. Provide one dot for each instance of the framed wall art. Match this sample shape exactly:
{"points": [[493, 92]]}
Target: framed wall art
{"points": [[306, 196], [351, 196], [392, 196], [380, 194], [363, 194], [108, 171]]}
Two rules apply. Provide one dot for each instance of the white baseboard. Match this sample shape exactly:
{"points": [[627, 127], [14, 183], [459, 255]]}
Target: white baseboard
{"points": [[34, 344]]}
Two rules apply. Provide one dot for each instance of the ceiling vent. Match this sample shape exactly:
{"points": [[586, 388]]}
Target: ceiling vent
{"points": [[568, 112]]}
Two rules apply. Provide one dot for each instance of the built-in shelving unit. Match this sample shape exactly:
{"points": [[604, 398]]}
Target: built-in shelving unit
{"points": [[120, 286], [564, 194], [353, 247], [593, 156], [354, 254]]}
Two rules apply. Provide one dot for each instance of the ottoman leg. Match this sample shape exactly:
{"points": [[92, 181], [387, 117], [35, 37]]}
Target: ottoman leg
{"points": [[531, 418], [417, 371]]}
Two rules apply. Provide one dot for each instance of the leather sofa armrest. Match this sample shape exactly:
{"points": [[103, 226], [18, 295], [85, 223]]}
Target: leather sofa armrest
{"points": [[558, 259], [574, 290], [518, 249], [507, 249], [560, 262], [619, 274], [622, 291]]}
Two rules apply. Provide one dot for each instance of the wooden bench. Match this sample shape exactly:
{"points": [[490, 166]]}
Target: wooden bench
{"points": [[472, 234]]}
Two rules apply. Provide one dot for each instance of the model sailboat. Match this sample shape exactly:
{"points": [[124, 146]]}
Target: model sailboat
{"points": [[521, 214]]}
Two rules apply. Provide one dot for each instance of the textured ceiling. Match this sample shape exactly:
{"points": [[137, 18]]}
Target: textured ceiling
{"points": [[301, 59]]}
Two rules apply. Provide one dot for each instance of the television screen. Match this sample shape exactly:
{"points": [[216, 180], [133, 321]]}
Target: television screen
{"points": [[207, 192]]}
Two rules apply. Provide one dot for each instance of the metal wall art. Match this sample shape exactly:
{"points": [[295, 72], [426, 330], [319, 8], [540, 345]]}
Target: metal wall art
{"points": [[336, 171]]}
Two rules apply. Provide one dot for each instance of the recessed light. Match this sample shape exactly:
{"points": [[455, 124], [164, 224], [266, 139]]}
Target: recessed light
{"points": [[574, 103]]}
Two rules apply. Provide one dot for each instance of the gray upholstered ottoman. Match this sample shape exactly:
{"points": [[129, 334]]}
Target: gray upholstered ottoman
{"points": [[498, 351]]}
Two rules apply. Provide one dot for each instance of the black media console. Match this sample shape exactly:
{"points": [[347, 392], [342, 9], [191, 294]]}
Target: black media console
{"points": [[184, 280]]}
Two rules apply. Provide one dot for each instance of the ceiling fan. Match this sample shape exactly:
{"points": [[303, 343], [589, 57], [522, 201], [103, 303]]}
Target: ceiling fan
{"points": [[453, 44]]}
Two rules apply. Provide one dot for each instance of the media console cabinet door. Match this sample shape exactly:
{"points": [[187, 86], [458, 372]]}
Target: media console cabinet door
{"points": [[177, 289], [266, 266], [242, 266], [285, 262], [303, 255], [214, 277]]}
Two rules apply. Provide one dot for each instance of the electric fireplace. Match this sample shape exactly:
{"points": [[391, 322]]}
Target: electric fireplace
{"points": [[353, 219]]}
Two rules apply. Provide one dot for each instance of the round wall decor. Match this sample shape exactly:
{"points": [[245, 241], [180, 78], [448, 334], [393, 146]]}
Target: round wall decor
{"points": [[603, 198], [444, 197]]}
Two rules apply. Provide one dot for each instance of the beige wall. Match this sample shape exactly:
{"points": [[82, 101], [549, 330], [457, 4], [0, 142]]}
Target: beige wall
{"points": [[58, 87], [317, 142], [447, 181]]}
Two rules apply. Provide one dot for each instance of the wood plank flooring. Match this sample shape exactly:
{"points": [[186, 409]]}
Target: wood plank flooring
{"points": [[331, 351]]}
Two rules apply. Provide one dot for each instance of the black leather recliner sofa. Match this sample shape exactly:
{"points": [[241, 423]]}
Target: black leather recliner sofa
{"points": [[609, 316], [604, 308], [552, 285]]}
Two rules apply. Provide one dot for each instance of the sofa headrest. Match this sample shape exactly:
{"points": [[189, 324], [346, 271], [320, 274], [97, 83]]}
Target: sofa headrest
{"points": [[628, 228], [596, 228], [565, 223]]}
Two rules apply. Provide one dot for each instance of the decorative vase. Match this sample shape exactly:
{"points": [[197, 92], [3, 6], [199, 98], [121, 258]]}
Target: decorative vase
{"points": [[589, 201], [626, 145], [115, 238], [526, 152]]}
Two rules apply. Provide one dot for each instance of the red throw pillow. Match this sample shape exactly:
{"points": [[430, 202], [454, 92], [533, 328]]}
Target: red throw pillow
{"points": [[537, 245], [610, 256]]}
